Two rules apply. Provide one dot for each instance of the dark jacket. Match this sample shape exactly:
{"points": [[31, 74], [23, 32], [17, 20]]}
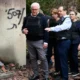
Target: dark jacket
{"points": [[52, 22], [43, 25], [75, 32]]}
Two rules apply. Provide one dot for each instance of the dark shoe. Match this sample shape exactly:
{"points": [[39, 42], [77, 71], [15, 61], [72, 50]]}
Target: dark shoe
{"points": [[75, 74], [69, 73], [34, 77], [54, 74]]}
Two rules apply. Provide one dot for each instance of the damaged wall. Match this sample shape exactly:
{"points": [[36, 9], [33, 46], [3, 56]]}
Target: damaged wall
{"points": [[12, 41]]}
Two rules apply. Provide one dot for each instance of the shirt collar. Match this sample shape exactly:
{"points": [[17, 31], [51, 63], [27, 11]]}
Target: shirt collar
{"points": [[66, 16], [34, 16]]}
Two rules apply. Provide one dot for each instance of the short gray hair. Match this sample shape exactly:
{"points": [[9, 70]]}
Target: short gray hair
{"points": [[36, 4]]}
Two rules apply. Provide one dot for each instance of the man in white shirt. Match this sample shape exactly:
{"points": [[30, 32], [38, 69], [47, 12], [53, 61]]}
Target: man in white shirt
{"points": [[62, 40]]}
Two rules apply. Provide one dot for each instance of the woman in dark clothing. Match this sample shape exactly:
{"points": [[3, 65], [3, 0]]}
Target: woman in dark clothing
{"points": [[75, 40], [51, 43]]}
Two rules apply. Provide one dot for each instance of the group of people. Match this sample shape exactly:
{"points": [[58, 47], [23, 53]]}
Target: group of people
{"points": [[61, 32]]}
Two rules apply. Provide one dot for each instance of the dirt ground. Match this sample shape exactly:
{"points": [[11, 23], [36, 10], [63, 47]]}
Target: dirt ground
{"points": [[16, 72]]}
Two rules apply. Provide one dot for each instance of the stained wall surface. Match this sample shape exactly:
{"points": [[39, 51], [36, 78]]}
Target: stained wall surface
{"points": [[12, 41]]}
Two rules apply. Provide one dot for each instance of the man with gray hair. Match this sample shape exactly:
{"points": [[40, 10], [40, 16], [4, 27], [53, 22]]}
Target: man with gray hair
{"points": [[37, 39]]}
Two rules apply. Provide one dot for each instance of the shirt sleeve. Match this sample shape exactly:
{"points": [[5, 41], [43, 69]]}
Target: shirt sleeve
{"points": [[64, 26], [24, 23]]}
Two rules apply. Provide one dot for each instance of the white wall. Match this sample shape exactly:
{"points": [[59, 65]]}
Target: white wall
{"points": [[12, 41]]}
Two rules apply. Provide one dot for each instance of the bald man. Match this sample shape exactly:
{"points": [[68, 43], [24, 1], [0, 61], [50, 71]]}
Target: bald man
{"points": [[37, 39]]}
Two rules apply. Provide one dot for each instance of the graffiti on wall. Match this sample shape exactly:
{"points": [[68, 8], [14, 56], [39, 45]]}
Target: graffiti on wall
{"points": [[11, 13]]}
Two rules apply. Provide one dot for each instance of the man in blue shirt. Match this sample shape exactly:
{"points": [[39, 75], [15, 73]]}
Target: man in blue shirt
{"points": [[62, 40]]}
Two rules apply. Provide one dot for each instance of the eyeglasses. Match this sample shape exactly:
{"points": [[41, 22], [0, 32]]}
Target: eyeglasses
{"points": [[72, 14], [34, 9]]}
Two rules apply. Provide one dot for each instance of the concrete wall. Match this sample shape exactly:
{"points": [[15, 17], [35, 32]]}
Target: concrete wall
{"points": [[12, 41]]}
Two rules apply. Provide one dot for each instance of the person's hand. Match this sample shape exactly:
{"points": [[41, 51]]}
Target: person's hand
{"points": [[79, 47], [47, 29], [45, 45], [25, 31]]}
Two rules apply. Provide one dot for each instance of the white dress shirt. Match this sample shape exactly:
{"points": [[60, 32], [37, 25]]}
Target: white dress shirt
{"points": [[64, 26]]}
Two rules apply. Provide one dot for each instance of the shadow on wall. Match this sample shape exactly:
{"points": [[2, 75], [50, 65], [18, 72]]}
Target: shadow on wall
{"points": [[7, 54]]}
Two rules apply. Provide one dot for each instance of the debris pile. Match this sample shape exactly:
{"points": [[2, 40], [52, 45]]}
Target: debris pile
{"points": [[13, 71]]}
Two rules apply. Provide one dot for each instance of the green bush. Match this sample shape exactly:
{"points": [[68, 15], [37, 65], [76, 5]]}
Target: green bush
{"points": [[46, 5]]}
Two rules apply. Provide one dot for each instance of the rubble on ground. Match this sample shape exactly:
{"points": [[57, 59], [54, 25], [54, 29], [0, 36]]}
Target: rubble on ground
{"points": [[16, 72]]}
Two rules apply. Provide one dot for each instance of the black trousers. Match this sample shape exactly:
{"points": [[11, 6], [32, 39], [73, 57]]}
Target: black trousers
{"points": [[73, 58], [62, 48], [51, 45]]}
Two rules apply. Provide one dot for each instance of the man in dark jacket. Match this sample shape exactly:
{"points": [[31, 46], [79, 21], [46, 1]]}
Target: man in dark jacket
{"points": [[37, 38]]}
